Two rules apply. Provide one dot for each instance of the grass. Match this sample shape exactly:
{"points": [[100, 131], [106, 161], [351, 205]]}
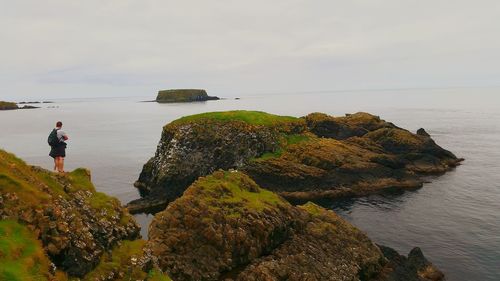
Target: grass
{"points": [[287, 141], [28, 184], [234, 193], [251, 117], [21, 255], [124, 259], [180, 95]]}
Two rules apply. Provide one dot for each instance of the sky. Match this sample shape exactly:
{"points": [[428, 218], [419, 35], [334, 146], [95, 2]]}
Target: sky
{"points": [[114, 48]]}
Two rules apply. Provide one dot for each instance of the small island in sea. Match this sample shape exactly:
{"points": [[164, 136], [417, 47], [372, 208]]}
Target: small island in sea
{"points": [[183, 95], [5, 105]]}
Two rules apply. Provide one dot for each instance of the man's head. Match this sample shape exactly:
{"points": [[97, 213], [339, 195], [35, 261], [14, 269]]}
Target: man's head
{"points": [[58, 124]]}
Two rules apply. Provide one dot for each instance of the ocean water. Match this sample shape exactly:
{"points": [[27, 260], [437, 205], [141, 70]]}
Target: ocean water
{"points": [[455, 218]]}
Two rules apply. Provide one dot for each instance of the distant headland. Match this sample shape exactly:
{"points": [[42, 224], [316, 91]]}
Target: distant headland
{"points": [[5, 105]]}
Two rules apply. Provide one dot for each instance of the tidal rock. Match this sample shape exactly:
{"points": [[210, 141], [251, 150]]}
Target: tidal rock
{"points": [[422, 132], [415, 267]]}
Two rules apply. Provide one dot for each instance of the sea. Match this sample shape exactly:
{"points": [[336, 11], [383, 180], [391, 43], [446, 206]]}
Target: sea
{"points": [[453, 218]]}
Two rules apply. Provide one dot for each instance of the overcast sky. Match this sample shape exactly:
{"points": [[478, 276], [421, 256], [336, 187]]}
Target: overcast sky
{"points": [[93, 48]]}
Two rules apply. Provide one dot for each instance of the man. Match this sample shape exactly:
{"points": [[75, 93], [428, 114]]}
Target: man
{"points": [[58, 147]]}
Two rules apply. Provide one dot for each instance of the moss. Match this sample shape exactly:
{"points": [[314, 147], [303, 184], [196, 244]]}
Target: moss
{"points": [[121, 259], [156, 275], [287, 140], [250, 117], [28, 183], [4, 105], [124, 263], [21, 255], [234, 193]]}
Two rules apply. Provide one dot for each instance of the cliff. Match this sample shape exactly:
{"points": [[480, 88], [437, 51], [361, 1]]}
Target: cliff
{"points": [[183, 95], [57, 226], [226, 227], [8, 105], [317, 156]]}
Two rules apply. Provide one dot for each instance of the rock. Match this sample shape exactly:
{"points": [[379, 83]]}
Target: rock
{"points": [[415, 267], [314, 157], [340, 128], [8, 105], [226, 227], [422, 132], [183, 95], [29, 107], [74, 223], [189, 149]]}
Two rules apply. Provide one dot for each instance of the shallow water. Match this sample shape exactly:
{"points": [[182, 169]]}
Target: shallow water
{"points": [[455, 218]]}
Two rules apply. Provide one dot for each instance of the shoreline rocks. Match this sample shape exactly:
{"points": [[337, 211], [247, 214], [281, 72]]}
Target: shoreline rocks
{"points": [[183, 95], [309, 158], [226, 227]]}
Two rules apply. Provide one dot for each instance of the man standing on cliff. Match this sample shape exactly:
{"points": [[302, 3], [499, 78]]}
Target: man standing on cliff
{"points": [[57, 141]]}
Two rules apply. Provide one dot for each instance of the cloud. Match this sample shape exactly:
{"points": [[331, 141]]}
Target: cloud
{"points": [[135, 47]]}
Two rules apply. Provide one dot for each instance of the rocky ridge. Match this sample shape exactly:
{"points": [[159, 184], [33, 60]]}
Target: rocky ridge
{"points": [[317, 156]]}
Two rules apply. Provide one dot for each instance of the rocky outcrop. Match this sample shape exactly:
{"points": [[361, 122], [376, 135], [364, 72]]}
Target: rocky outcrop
{"points": [[225, 227], [317, 156], [183, 95], [190, 148], [75, 224], [415, 267], [8, 105]]}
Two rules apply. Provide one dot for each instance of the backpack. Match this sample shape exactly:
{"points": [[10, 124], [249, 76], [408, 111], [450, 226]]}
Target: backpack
{"points": [[52, 139]]}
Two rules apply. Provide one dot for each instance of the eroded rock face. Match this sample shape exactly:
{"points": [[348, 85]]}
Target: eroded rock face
{"points": [[188, 150], [225, 227], [75, 224], [318, 156]]}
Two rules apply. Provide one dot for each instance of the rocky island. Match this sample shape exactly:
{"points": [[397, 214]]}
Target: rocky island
{"points": [[183, 95], [4, 105], [309, 158]]}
